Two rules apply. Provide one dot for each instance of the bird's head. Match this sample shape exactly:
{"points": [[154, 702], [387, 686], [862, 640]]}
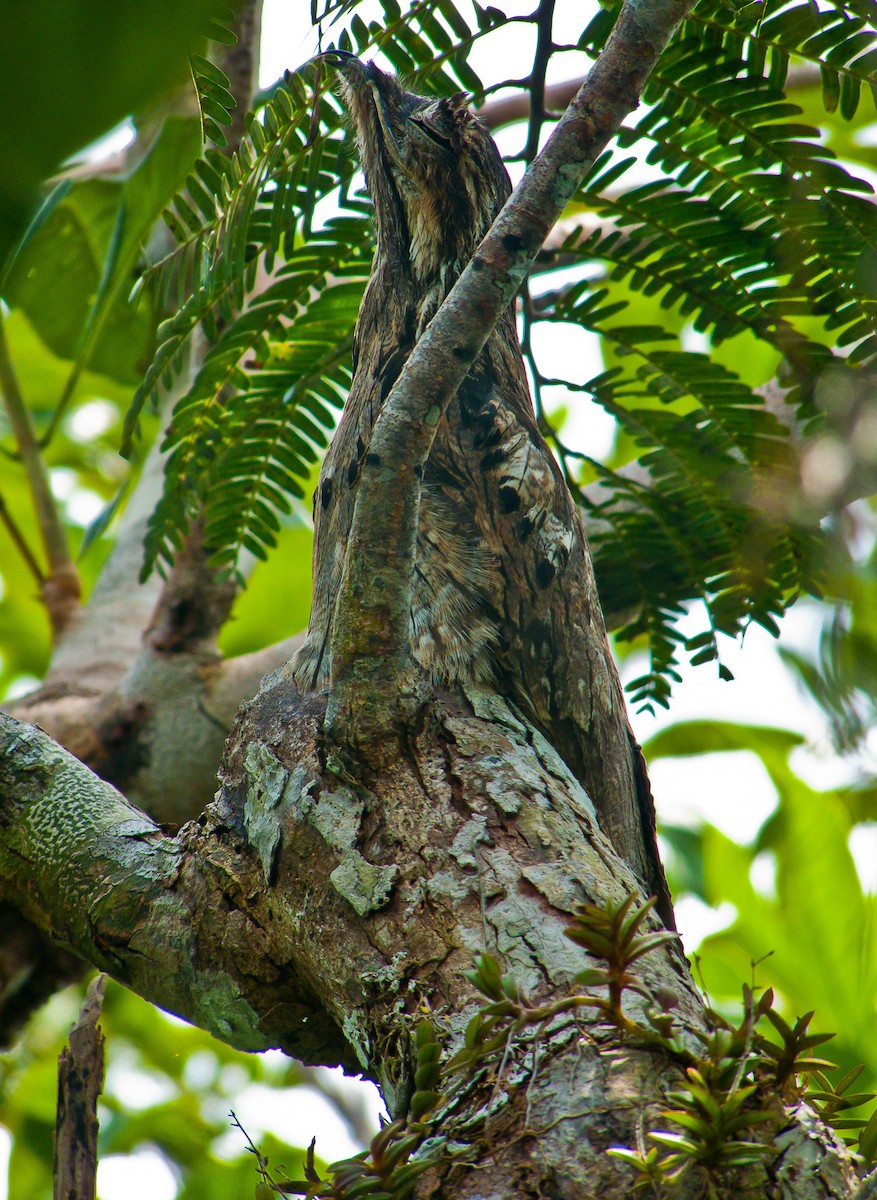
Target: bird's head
{"points": [[433, 171]]}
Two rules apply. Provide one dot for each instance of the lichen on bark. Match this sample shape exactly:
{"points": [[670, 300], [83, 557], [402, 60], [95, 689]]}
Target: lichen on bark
{"points": [[366, 844]]}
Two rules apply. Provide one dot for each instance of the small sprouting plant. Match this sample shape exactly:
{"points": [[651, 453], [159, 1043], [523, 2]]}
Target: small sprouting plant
{"points": [[385, 1170], [652, 1170], [735, 1078], [736, 1083], [834, 1102], [613, 934], [712, 1120], [791, 1057]]}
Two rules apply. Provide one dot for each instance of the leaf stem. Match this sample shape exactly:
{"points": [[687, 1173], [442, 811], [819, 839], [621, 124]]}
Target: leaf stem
{"points": [[21, 545], [61, 587], [64, 399]]}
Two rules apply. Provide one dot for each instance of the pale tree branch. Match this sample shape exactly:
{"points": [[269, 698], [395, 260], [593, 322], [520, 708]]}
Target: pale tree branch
{"points": [[195, 602], [372, 619], [105, 638]]}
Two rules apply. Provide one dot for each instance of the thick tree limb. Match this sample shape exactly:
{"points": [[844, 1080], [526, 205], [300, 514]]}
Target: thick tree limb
{"points": [[160, 737], [278, 919], [154, 911]]}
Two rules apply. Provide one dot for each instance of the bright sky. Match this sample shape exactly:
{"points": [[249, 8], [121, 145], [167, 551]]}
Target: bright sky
{"points": [[730, 790]]}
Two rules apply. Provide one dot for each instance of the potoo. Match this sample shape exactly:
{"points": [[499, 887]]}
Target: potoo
{"points": [[504, 594]]}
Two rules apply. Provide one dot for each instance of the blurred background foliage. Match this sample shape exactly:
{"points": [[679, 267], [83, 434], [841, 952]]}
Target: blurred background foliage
{"points": [[171, 1090], [69, 72], [792, 899]]}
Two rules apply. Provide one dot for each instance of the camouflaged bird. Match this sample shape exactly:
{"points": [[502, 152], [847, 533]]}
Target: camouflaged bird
{"points": [[504, 592]]}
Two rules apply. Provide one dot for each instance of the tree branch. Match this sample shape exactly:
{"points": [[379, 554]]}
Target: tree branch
{"points": [[505, 110], [61, 587], [240, 63], [541, 58], [80, 1083], [20, 542], [141, 712], [159, 913], [372, 622]]}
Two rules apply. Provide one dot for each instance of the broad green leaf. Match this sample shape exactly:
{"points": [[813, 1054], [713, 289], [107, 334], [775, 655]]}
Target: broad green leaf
{"points": [[820, 895], [69, 73], [708, 737], [73, 278], [54, 281]]}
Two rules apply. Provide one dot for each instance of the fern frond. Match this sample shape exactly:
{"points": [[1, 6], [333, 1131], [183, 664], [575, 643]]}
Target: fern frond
{"points": [[840, 38], [726, 235], [428, 43], [252, 272], [753, 226], [215, 101], [703, 528], [274, 378]]}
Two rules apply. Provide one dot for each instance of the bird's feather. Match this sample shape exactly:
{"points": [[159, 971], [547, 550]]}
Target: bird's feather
{"points": [[504, 589]]}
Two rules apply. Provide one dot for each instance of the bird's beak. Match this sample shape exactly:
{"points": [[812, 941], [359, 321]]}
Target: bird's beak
{"points": [[354, 73], [345, 64]]}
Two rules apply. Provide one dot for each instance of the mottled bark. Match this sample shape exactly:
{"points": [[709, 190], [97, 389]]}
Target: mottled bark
{"points": [[367, 841], [388, 553], [325, 911], [80, 1083]]}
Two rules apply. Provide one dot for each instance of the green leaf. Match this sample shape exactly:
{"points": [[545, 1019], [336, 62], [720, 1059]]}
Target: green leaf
{"points": [[102, 521], [73, 276], [105, 61], [716, 737]]}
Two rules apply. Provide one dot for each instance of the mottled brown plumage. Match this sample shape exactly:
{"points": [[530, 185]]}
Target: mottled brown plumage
{"points": [[504, 590]]}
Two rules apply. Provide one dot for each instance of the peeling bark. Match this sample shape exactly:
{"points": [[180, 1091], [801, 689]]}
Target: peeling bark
{"points": [[80, 1083], [324, 906], [366, 842]]}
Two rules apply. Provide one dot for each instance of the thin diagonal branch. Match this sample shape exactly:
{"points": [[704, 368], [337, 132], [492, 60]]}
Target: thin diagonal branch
{"points": [[373, 628], [20, 542], [61, 588]]}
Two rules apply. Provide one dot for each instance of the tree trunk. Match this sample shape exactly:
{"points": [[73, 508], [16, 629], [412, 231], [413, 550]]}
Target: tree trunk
{"points": [[368, 841], [327, 903]]}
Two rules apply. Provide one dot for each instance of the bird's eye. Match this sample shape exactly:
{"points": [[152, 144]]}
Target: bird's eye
{"points": [[432, 134]]}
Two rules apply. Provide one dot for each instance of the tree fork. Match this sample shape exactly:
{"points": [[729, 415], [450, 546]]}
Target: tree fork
{"points": [[323, 904], [328, 914]]}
